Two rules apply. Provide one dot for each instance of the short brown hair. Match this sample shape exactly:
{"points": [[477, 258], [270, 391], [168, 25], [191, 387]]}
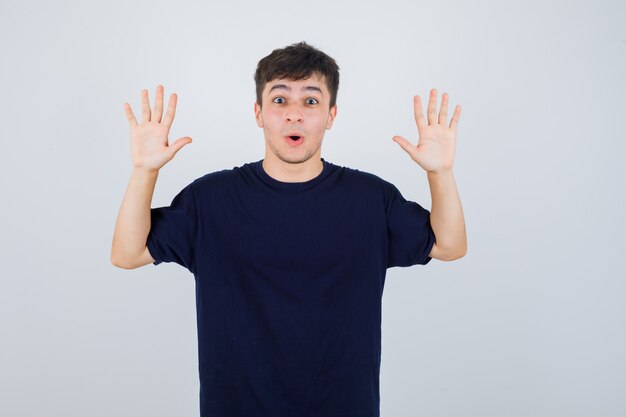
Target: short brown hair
{"points": [[297, 62]]}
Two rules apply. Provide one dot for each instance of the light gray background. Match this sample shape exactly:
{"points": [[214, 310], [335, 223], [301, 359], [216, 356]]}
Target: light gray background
{"points": [[530, 323]]}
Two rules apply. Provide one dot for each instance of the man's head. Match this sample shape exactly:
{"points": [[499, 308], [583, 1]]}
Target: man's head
{"points": [[297, 62], [296, 96]]}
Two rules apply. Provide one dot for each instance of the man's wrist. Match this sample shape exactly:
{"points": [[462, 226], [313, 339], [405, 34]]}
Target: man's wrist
{"points": [[145, 171], [441, 172]]}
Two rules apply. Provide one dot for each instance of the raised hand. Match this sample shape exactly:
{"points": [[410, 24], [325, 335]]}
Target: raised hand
{"points": [[436, 145], [148, 141]]}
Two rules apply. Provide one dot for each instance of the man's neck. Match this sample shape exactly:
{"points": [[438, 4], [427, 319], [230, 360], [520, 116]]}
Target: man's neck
{"points": [[285, 172]]}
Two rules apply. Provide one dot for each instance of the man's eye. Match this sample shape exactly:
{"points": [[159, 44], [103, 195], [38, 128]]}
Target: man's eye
{"points": [[314, 101], [278, 98]]}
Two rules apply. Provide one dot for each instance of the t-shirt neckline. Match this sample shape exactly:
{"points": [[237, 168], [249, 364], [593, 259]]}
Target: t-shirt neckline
{"points": [[292, 186]]}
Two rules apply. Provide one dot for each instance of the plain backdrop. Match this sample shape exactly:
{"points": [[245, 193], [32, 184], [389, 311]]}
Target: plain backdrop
{"points": [[531, 322]]}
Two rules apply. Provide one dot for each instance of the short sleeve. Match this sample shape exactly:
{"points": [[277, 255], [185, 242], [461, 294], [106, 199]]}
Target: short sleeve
{"points": [[173, 231], [410, 235]]}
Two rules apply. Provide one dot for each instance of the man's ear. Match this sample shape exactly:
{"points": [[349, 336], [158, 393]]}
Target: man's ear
{"points": [[257, 114], [331, 116]]}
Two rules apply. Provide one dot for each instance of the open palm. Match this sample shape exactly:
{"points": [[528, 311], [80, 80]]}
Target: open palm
{"points": [[436, 145], [149, 145]]}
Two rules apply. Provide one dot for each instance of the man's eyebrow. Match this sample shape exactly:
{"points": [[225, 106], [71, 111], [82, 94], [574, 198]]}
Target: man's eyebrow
{"points": [[286, 87]]}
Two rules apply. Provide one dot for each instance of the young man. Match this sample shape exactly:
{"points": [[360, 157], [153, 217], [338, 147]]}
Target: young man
{"points": [[289, 253]]}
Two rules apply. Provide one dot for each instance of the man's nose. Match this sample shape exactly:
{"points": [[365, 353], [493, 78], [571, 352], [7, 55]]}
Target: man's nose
{"points": [[294, 114]]}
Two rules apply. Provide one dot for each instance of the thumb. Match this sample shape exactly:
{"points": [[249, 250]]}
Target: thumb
{"points": [[408, 147], [404, 144], [176, 146]]}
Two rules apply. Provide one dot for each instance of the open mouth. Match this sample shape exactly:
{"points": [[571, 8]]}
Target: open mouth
{"points": [[294, 140]]}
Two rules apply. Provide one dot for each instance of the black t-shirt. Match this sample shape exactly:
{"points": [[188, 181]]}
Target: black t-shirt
{"points": [[289, 283]]}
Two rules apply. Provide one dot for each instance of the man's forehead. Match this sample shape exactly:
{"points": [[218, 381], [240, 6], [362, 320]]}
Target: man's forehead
{"points": [[313, 83]]}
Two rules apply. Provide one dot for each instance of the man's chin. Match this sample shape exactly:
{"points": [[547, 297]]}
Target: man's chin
{"points": [[294, 159]]}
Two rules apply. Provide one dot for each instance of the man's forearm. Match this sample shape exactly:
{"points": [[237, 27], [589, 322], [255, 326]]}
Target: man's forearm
{"points": [[446, 214], [133, 220]]}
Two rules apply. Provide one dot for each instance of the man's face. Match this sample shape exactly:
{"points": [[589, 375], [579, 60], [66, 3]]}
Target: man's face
{"points": [[295, 108]]}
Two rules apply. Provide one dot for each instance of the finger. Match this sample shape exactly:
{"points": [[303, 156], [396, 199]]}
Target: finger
{"points": [[158, 104], [145, 107], [419, 114], [455, 117], [432, 107], [443, 113], [130, 115], [171, 110], [404, 144], [176, 146]]}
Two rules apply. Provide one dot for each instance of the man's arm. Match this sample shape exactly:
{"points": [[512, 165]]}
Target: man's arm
{"points": [[150, 150], [434, 152], [129, 248], [446, 217]]}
